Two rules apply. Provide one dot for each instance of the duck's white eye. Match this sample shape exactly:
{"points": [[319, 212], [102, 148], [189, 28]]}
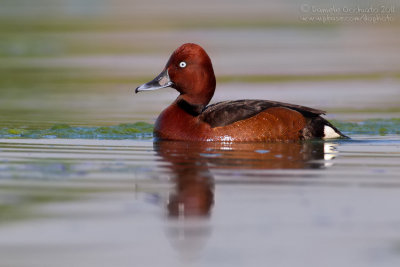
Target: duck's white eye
{"points": [[182, 64]]}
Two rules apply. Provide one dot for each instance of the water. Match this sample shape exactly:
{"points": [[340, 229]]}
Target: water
{"points": [[99, 202], [143, 130], [82, 182]]}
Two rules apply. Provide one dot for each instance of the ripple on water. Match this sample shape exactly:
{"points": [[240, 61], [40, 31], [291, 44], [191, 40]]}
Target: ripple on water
{"points": [[291, 195]]}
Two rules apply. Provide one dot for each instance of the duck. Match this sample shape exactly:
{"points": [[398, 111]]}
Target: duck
{"points": [[191, 118]]}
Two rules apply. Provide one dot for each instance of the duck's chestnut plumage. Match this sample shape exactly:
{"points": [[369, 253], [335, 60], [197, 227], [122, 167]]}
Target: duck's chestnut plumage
{"points": [[189, 70]]}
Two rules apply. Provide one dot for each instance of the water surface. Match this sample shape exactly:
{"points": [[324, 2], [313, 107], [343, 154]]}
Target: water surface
{"points": [[90, 202]]}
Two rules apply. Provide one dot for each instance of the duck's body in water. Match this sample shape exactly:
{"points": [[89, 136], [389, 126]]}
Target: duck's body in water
{"points": [[189, 70]]}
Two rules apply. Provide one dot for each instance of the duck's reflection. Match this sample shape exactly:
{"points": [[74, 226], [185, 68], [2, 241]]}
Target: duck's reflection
{"points": [[194, 184], [190, 164]]}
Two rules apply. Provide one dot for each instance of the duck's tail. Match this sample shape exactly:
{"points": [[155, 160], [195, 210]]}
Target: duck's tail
{"points": [[318, 127]]}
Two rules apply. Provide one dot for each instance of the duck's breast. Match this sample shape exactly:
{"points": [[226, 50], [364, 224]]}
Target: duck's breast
{"points": [[175, 124]]}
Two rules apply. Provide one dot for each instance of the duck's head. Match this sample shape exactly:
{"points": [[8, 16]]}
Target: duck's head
{"points": [[190, 72]]}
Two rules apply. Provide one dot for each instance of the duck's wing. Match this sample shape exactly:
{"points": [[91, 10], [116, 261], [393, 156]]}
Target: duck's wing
{"points": [[227, 112]]}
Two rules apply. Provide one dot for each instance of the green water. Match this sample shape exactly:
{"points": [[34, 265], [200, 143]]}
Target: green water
{"points": [[143, 130], [137, 130], [370, 127]]}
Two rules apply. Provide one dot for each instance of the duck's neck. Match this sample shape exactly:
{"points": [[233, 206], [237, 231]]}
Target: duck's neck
{"points": [[192, 109], [199, 91]]}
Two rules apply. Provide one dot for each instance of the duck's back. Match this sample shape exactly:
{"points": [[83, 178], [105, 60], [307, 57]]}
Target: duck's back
{"points": [[254, 120]]}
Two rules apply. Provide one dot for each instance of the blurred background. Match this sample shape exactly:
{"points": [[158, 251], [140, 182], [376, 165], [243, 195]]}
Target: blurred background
{"points": [[78, 61], [68, 69]]}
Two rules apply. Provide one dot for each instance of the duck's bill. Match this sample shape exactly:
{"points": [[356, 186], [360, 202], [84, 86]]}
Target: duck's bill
{"points": [[161, 81]]}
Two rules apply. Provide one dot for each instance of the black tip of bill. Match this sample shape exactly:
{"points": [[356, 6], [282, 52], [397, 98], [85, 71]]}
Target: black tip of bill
{"points": [[161, 81]]}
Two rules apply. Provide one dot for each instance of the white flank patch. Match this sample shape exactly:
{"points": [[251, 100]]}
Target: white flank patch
{"points": [[329, 132]]}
